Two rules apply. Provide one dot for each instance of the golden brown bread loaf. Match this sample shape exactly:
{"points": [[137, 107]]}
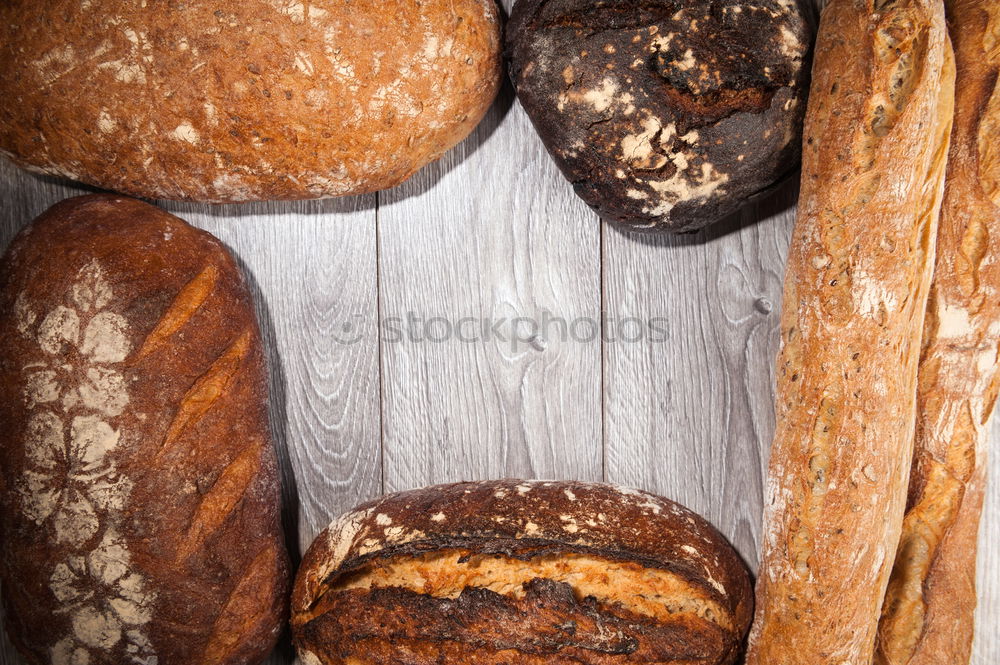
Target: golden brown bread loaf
{"points": [[861, 259], [526, 573], [139, 499], [237, 100], [928, 614]]}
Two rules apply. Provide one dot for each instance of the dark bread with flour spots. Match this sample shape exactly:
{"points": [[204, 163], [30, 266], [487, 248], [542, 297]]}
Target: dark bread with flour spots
{"points": [[520, 572], [139, 499], [665, 114]]}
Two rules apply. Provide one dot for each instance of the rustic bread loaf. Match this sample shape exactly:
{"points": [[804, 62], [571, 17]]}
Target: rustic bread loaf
{"points": [[928, 614], [238, 100], [532, 573], [139, 499], [860, 263], [663, 114]]}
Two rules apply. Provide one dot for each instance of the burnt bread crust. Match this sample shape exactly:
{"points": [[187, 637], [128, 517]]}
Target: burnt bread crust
{"points": [[140, 499], [241, 100], [665, 115], [549, 626], [520, 572]]}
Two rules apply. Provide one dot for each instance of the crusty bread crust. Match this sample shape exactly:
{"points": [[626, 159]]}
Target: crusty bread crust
{"points": [[876, 139], [665, 115], [928, 618], [240, 100], [139, 499], [534, 573]]}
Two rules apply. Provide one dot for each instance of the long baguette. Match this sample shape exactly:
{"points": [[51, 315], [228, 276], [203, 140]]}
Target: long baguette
{"points": [[928, 614], [860, 264]]}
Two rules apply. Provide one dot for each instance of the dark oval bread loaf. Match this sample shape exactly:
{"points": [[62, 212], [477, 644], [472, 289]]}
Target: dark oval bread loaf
{"points": [[665, 114], [139, 499], [238, 100], [525, 573]]}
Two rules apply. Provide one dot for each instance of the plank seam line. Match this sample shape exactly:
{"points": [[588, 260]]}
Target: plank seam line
{"points": [[604, 351], [379, 350]]}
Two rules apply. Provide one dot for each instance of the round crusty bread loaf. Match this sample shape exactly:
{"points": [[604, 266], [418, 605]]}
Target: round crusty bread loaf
{"points": [[532, 573], [664, 114], [239, 100]]}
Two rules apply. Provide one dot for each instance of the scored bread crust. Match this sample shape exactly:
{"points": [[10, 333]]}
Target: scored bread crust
{"points": [[860, 263], [139, 499], [240, 100], [510, 524], [928, 616]]}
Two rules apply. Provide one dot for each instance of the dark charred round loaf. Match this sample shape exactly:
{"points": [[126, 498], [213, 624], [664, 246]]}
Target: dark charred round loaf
{"points": [[520, 573], [139, 498], [665, 114]]}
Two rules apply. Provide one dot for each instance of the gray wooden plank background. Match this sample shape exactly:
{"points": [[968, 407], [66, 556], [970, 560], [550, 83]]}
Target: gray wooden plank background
{"points": [[480, 322]]}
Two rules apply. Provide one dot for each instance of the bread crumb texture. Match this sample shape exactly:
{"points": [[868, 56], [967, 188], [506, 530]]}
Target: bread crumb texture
{"points": [[526, 572], [661, 113], [249, 100]]}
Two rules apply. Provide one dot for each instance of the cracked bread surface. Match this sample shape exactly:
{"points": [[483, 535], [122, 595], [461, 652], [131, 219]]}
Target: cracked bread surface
{"points": [[520, 572], [929, 610], [664, 114], [875, 148]]}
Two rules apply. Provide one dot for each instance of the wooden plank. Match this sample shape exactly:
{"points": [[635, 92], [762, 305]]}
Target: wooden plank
{"points": [[691, 417], [986, 649], [312, 267], [489, 234], [24, 196]]}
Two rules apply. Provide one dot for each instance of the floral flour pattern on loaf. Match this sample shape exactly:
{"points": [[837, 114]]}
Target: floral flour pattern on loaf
{"points": [[71, 486]]}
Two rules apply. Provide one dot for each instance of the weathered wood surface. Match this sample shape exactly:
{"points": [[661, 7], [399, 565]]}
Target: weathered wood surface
{"points": [[355, 295], [475, 254]]}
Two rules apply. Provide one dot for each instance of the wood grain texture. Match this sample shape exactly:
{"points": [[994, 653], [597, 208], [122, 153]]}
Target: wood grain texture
{"points": [[690, 418], [489, 234], [312, 268], [986, 646]]}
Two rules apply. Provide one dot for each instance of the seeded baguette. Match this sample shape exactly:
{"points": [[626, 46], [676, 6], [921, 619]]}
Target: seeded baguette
{"points": [[876, 141], [533, 573], [928, 618], [139, 499]]}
